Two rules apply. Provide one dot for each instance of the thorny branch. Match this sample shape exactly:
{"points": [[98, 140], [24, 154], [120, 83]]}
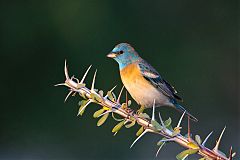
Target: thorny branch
{"points": [[112, 105]]}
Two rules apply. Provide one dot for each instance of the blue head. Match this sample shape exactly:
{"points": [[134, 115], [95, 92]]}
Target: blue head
{"points": [[124, 54]]}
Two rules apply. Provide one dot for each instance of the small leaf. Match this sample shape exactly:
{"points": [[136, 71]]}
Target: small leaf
{"points": [[96, 97], [129, 102], [118, 127], [98, 113], [140, 131], [156, 125], [124, 106], [80, 85], [193, 145], [234, 154], [111, 96], [130, 124], [101, 93], [161, 141], [82, 104], [144, 115], [102, 119], [168, 122], [198, 139], [184, 154], [83, 94]]}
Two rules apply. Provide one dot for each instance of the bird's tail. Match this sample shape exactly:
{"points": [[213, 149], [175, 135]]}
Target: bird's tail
{"points": [[182, 109]]}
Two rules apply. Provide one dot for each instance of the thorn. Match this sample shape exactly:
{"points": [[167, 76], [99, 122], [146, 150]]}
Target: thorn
{"points": [[167, 140], [89, 101], [160, 117], [147, 130], [113, 88], [180, 120], [189, 130], [93, 82], [119, 96], [153, 111], [109, 111], [85, 74], [110, 91], [116, 119], [159, 149], [74, 78], [205, 140], [68, 96], [60, 84], [219, 140], [65, 70], [230, 154]]}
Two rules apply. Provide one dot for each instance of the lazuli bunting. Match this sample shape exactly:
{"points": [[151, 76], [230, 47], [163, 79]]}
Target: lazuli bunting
{"points": [[143, 82]]}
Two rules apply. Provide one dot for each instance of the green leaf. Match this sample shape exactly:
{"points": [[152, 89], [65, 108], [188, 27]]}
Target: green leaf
{"points": [[168, 122], [130, 124], [176, 131], [82, 104], [161, 141], [111, 96], [202, 158], [193, 145], [98, 113], [102, 119], [144, 115], [83, 94], [96, 97], [156, 125], [140, 131], [198, 139], [80, 85], [118, 126], [184, 154]]}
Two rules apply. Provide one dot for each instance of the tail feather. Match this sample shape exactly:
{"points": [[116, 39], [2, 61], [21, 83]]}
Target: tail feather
{"points": [[182, 109]]}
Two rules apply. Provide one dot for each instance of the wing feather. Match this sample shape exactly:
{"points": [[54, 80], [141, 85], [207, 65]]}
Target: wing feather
{"points": [[155, 79]]}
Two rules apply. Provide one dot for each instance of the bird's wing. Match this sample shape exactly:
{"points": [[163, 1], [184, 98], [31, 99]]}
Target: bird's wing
{"points": [[151, 75]]}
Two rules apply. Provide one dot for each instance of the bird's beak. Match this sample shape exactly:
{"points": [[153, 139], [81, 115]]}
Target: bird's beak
{"points": [[112, 55]]}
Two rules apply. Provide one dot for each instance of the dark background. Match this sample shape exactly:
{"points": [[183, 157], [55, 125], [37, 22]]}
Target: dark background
{"points": [[193, 44]]}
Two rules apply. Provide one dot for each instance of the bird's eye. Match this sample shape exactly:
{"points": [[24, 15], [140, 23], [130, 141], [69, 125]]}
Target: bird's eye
{"points": [[120, 52]]}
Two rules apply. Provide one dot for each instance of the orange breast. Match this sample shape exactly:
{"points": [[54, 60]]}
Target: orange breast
{"points": [[140, 89]]}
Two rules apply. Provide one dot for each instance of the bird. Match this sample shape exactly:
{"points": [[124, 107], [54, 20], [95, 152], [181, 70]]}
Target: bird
{"points": [[145, 85]]}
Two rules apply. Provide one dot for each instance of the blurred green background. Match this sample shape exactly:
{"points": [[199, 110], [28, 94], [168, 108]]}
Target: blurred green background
{"points": [[193, 44]]}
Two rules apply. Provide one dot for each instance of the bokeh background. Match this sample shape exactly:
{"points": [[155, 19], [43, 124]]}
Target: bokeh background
{"points": [[193, 44]]}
